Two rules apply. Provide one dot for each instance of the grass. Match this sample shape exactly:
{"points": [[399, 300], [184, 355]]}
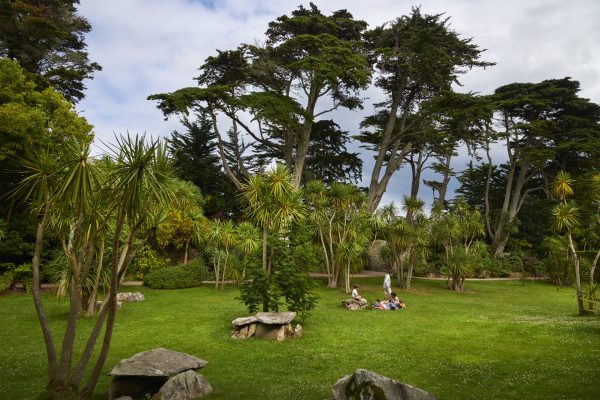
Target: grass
{"points": [[498, 340]]}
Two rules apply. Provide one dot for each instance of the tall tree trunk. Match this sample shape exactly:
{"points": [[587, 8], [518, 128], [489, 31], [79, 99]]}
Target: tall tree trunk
{"points": [[445, 181], [185, 253], [582, 310], [112, 306], [100, 261], [303, 138], [37, 297]]}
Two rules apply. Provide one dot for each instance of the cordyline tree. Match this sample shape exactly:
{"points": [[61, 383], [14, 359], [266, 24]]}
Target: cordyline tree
{"points": [[64, 188], [416, 57], [540, 125], [342, 226], [310, 65], [567, 217]]}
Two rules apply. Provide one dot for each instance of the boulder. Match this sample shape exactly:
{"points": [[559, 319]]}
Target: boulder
{"points": [[146, 372], [352, 304], [266, 331], [275, 318], [367, 385], [187, 385], [129, 297]]}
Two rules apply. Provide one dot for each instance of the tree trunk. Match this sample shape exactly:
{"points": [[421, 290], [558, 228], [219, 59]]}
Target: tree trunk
{"points": [[445, 181], [185, 252], [582, 310], [37, 297], [100, 260], [303, 138]]}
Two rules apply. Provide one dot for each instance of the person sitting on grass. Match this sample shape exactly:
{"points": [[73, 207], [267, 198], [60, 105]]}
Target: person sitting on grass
{"points": [[380, 305], [355, 295], [398, 304]]}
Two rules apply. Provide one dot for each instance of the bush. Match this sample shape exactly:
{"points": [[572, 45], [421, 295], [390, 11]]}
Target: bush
{"points": [[178, 277], [146, 260]]}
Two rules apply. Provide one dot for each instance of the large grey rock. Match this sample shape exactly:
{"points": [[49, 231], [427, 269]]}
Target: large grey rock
{"points": [[129, 297], [187, 385], [267, 331], [367, 385], [145, 373], [276, 318], [157, 362]]}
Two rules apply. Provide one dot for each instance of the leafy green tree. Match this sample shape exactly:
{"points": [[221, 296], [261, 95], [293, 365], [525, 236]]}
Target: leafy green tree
{"points": [[183, 219], [540, 124], [416, 57], [307, 56], [196, 160], [48, 39]]}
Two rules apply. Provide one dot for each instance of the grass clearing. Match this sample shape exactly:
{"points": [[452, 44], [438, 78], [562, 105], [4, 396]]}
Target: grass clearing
{"points": [[498, 340]]}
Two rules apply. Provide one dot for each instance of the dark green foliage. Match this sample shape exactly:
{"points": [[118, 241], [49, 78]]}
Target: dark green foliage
{"points": [[146, 261], [178, 277], [48, 39], [194, 152], [288, 283]]}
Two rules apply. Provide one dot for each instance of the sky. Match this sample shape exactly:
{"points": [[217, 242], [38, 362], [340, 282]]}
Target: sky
{"points": [[155, 46]]}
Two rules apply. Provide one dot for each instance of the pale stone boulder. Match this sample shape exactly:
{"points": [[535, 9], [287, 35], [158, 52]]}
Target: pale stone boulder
{"points": [[367, 385], [187, 385], [145, 373], [129, 297]]}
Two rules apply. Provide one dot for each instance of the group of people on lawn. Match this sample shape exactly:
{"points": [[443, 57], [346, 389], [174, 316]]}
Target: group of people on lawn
{"points": [[390, 299]]}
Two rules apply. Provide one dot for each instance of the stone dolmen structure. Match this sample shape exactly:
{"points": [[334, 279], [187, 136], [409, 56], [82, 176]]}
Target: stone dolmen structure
{"points": [[159, 374], [266, 325]]}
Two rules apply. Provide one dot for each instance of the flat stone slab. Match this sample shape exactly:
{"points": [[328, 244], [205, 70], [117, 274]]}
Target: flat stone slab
{"points": [[157, 362], [244, 321], [275, 318]]}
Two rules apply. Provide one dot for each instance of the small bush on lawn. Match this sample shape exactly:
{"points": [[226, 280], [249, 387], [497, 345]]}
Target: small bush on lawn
{"points": [[178, 277]]}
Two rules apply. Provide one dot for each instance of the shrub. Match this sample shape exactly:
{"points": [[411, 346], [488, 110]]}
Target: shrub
{"points": [[146, 260], [178, 277]]}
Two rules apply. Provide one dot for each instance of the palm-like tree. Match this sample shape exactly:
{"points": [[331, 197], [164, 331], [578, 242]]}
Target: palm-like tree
{"points": [[68, 190], [566, 218], [338, 213], [272, 201]]}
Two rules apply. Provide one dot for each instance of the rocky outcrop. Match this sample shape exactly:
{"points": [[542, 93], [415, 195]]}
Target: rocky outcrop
{"points": [[187, 385], [273, 325], [367, 385], [352, 304], [129, 297], [147, 372]]}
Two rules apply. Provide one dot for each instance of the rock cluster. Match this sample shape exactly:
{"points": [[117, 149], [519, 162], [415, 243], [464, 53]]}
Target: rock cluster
{"points": [[273, 325], [160, 373], [367, 385], [129, 297], [352, 304]]}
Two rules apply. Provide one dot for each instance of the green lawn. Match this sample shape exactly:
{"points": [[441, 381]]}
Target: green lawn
{"points": [[498, 340]]}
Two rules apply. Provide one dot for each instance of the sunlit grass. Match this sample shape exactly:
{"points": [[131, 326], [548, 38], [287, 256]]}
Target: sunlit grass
{"points": [[498, 340]]}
